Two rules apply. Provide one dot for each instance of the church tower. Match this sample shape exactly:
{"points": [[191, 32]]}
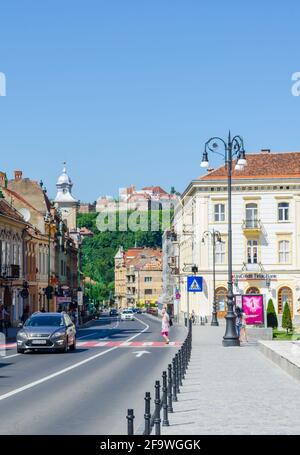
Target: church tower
{"points": [[65, 201]]}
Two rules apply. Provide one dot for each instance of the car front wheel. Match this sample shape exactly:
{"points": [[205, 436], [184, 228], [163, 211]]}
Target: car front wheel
{"points": [[73, 346], [20, 351]]}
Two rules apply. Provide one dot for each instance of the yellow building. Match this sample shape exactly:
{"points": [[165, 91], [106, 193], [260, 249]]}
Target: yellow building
{"points": [[138, 276]]}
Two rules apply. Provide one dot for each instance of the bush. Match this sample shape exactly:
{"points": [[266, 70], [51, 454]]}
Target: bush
{"points": [[287, 318], [272, 320]]}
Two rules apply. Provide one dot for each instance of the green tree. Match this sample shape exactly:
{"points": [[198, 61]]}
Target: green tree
{"points": [[272, 320], [287, 318]]}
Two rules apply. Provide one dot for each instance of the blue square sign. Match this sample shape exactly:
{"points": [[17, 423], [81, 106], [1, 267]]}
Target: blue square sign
{"points": [[195, 283]]}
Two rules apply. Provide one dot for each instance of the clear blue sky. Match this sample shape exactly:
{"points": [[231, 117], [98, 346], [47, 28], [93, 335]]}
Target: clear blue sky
{"points": [[127, 91]]}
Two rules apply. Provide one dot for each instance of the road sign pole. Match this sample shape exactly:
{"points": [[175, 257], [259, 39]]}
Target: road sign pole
{"points": [[188, 307]]}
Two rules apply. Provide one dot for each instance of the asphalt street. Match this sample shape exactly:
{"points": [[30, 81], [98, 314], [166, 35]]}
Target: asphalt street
{"points": [[87, 391]]}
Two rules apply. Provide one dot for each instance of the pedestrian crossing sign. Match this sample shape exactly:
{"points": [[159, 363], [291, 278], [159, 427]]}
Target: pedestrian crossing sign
{"points": [[194, 283]]}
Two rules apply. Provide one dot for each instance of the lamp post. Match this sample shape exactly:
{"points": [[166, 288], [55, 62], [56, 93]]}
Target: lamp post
{"points": [[49, 289], [215, 237], [234, 147]]}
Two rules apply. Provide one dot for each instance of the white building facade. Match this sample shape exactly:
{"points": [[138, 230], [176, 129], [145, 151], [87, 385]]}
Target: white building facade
{"points": [[265, 229]]}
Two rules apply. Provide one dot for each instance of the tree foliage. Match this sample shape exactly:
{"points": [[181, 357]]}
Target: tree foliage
{"points": [[98, 252], [272, 320], [287, 318]]}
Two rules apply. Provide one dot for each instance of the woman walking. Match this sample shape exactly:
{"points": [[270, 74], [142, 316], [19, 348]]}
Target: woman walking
{"points": [[243, 333], [165, 325]]}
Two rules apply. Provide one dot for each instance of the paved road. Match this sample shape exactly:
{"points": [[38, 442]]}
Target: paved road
{"points": [[87, 391]]}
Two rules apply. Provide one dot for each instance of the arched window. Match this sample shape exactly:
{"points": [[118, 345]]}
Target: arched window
{"points": [[253, 290], [221, 297], [285, 294]]}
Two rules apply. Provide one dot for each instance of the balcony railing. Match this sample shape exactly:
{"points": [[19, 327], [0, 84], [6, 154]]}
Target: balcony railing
{"points": [[252, 224], [11, 271]]}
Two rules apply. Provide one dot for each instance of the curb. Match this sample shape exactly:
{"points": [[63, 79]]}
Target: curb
{"points": [[282, 362]]}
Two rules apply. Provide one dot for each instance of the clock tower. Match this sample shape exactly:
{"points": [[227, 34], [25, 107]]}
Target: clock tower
{"points": [[65, 201]]}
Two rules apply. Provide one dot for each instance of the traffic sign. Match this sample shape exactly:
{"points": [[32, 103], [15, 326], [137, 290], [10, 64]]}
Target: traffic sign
{"points": [[194, 283]]}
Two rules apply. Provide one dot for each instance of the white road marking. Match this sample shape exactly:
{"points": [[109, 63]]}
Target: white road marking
{"points": [[10, 356], [140, 353], [65, 370], [85, 336]]}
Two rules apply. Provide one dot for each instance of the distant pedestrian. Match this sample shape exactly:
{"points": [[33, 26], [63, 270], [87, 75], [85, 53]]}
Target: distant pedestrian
{"points": [[238, 321], [25, 315], [3, 318], [193, 317], [243, 331], [165, 326]]}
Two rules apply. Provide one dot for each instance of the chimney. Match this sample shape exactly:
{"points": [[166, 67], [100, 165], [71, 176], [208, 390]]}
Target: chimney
{"points": [[265, 151], [3, 179], [18, 175]]}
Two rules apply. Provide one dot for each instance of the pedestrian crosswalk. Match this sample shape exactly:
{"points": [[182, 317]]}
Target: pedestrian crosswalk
{"points": [[109, 344]]}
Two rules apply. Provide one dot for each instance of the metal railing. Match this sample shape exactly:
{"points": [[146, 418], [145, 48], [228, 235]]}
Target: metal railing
{"points": [[165, 393], [252, 224]]}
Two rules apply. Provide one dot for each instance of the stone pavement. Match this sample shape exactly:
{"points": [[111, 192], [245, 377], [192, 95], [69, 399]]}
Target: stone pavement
{"points": [[233, 391]]}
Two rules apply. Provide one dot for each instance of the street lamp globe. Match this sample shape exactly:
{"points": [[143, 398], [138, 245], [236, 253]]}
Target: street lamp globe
{"points": [[204, 163]]}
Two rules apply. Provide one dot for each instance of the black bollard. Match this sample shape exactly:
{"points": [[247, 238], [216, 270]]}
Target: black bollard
{"points": [[157, 420], [183, 360], [174, 383], [147, 414], [177, 373], [180, 367], [165, 400], [170, 403], [130, 419]]}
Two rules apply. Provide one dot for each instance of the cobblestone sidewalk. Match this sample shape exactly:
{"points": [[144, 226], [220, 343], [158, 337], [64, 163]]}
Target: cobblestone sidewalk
{"points": [[233, 391]]}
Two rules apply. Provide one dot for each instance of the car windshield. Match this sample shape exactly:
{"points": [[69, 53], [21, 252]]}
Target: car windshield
{"points": [[40, 321], [127, 311]]}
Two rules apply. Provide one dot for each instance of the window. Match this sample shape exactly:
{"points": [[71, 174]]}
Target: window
{"points": [[283, 211], [252, 290], [148, 291], [284, 251], [221, 295], [251, 215], [285, 294], [252, 251], [219, 212], [220, 252], [148, 279]]}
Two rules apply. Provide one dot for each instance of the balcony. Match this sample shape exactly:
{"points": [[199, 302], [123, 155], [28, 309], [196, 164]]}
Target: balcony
{"points": [[252, 226], [10, 272]]}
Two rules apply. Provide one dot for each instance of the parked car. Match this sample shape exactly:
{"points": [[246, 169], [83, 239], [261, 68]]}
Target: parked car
{"points": [[127, 315], [47, 331], [152, 310], [113, 312]]}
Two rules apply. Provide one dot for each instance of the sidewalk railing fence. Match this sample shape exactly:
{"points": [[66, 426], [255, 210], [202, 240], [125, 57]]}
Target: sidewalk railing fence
{"points": [[165, 391]]}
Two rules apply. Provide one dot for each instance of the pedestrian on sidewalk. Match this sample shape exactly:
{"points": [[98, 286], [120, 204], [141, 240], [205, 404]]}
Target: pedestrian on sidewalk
{"points": [[193, 317], [165, 325], [25, 315], [243, 332], [238, 321]]}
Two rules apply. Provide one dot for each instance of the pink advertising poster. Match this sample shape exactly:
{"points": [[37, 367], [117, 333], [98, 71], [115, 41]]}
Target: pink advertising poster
{"points": [[253, 306]]}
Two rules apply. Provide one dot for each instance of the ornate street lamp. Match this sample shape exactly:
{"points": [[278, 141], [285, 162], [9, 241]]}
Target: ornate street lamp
{"points": [[234, 147], [215, 237]]}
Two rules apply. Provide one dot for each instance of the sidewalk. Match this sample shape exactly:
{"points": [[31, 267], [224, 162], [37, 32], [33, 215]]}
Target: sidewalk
{"points": [[233, 391]]}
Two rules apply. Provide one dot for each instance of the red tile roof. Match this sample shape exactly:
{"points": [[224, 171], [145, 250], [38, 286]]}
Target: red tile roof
{"points": [[8, 210], [155, 189], [262, 166]]}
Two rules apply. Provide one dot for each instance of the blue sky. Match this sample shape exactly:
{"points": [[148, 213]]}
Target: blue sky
{"points": [[128, 91]]}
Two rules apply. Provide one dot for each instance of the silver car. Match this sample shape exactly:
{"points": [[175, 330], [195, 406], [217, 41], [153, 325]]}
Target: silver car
{"points": [[47, 331]]}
